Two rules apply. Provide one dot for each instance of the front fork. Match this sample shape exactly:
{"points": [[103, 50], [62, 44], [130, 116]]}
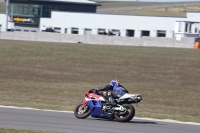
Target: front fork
{"points": [[82, 109], [84, 103]]}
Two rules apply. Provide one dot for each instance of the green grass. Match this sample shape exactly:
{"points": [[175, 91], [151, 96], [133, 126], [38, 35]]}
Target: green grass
{"points": [[129, 4], [2, 7], [57, 75], [171, 11], [4, 130], [150, 12]]}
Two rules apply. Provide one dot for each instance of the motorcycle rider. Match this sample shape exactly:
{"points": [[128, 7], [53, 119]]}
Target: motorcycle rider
{"points": [[111, 90]]}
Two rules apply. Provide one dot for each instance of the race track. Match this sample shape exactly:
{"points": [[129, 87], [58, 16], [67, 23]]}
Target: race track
{"points": [[66, 122]]}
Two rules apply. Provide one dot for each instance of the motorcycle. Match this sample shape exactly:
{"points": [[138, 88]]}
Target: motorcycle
{"points": [[97, 106]]}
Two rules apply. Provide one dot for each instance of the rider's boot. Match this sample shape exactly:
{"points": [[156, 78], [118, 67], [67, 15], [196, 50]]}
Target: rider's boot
{"points": [[111, 101]]}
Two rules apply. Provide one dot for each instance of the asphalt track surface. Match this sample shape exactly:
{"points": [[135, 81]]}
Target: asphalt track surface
{"points": [[31, 119], [105, 10]]}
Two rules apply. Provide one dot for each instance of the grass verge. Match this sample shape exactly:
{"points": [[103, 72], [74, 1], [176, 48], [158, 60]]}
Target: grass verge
{"points": [[57, 75], [4, 130], [171, 11]]}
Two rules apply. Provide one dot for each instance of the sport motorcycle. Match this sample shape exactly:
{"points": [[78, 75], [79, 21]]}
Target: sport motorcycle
{"points": [[96, 105]]}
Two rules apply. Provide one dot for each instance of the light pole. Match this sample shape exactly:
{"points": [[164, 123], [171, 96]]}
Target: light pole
{"points": [[7, 11]]}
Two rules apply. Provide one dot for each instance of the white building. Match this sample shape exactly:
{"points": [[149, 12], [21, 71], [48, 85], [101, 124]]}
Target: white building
{"points": [[92, 23], [137, 26]]}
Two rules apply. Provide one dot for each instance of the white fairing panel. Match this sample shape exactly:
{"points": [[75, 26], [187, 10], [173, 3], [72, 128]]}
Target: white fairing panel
{"points": [[127, 95], [100, 98]]}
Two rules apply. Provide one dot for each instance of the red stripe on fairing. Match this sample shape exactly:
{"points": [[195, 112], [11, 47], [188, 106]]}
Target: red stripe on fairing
{"points": [[92, 96]]}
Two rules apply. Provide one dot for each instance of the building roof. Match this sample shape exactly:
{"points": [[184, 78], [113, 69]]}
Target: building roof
{"points": [[193, 11], [71, 1]]}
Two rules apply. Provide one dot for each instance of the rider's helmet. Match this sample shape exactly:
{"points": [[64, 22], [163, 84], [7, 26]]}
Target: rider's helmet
{"points": [[114, 82]]}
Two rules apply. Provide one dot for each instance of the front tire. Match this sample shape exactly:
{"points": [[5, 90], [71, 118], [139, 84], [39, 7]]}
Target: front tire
{"points": [[82, 111], [126, 116]]}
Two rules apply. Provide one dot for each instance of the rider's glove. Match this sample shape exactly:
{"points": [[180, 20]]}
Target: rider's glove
{"points": [[95, 91]]}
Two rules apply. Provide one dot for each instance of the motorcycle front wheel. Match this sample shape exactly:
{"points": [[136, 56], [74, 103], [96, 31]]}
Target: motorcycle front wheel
{"points": [[127, 115], [82, 111]]}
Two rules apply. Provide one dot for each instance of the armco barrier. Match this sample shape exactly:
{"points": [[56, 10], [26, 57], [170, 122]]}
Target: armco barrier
{"points": [[185, 42]]}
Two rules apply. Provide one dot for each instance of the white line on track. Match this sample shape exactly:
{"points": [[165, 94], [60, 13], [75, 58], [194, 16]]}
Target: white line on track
{"points": [[152, 119]]}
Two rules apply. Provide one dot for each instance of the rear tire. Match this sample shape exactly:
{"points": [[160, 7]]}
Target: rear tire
{"points": [[82, 112], [127, 116]]}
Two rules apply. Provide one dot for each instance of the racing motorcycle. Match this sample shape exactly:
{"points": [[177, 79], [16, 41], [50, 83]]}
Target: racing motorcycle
{"points": [[98, 106]]}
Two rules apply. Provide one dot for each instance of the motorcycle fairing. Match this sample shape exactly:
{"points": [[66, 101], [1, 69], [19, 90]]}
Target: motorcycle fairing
{"points": [[95, 109], [133, 96], [94, 97]]}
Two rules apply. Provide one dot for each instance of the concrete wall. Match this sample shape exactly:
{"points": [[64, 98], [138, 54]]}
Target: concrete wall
{"points": [[99, 39]]}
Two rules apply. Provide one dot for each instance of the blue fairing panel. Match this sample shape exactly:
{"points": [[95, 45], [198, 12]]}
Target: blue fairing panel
{"points": [[106, 115], [95, 107]]}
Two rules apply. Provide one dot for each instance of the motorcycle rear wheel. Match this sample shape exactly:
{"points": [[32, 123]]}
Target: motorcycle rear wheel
{"points": [[127, 116], [82, 111]]}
